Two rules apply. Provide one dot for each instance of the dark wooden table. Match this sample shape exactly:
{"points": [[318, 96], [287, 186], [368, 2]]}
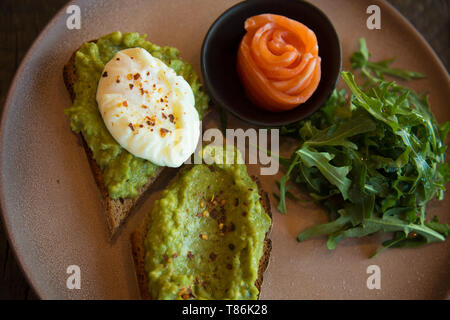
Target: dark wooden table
{"points": [[22, 20]]}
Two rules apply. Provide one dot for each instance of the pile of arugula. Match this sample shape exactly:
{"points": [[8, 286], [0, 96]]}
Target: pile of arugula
{"points": [[373, 160]]}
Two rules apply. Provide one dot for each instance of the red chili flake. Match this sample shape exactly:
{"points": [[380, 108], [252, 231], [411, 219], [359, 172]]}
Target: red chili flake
{"points": [[175, 255], [148, 73], [105, 74], [150, 121], [163, 132], [171, 118], [144, 106], [231, 246], [132, 58], [125, 104], [190, 255], [131, 86], [141, 126], [118, 81], [199, 215], [131, 126], [212, 256], [118, 59], [142, 91], [229, 266], [136, 76], [162, 100], [163, 115]]}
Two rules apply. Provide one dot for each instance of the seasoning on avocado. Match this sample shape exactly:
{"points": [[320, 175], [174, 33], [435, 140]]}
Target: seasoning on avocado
{"points": [[190, 255], [214, 214]]}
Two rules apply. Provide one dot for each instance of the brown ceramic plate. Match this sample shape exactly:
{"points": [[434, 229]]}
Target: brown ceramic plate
{"points": [[51, 205]]}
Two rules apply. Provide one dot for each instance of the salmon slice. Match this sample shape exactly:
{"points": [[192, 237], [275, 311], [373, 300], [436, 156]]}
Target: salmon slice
{"points": [[278, 62]]}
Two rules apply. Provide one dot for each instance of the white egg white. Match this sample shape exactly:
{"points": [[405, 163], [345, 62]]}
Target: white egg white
{"points": [[148, 109]]}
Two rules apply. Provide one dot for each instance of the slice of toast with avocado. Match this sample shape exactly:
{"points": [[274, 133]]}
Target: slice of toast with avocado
{"points": [[207, 236], [121, 177]]}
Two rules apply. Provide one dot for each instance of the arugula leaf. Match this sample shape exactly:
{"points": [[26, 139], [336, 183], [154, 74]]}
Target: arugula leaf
{"points": [[337, 135], [282, 205], [360, 60], [335, 175]]}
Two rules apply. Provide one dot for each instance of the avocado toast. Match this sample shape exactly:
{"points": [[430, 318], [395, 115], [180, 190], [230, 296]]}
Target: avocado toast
{"points": [[121, 177], [206, 236]]}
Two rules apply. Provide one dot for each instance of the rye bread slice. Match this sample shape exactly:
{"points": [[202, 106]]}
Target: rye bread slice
{"points": [[138, 251], [117, 210]]}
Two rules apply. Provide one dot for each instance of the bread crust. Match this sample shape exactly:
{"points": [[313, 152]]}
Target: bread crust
{"points": [[137, 239], [116, 210]]}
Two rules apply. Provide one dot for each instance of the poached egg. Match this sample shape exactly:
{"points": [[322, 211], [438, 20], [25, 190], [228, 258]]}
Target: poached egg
{"points": [[148, 109]]}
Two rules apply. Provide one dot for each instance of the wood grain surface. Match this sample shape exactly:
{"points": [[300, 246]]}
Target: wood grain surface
{"points": [[21, 21]]}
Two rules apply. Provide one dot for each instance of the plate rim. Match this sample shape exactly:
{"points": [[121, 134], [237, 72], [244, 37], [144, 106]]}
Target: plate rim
{"points": [[25, 60]]}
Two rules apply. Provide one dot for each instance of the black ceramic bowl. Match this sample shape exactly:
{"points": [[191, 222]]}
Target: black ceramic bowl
{"points": [[219, 53]]}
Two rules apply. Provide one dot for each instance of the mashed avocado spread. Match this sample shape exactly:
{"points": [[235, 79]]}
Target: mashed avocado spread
{"points": [[206, 235], [123, 173]]}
